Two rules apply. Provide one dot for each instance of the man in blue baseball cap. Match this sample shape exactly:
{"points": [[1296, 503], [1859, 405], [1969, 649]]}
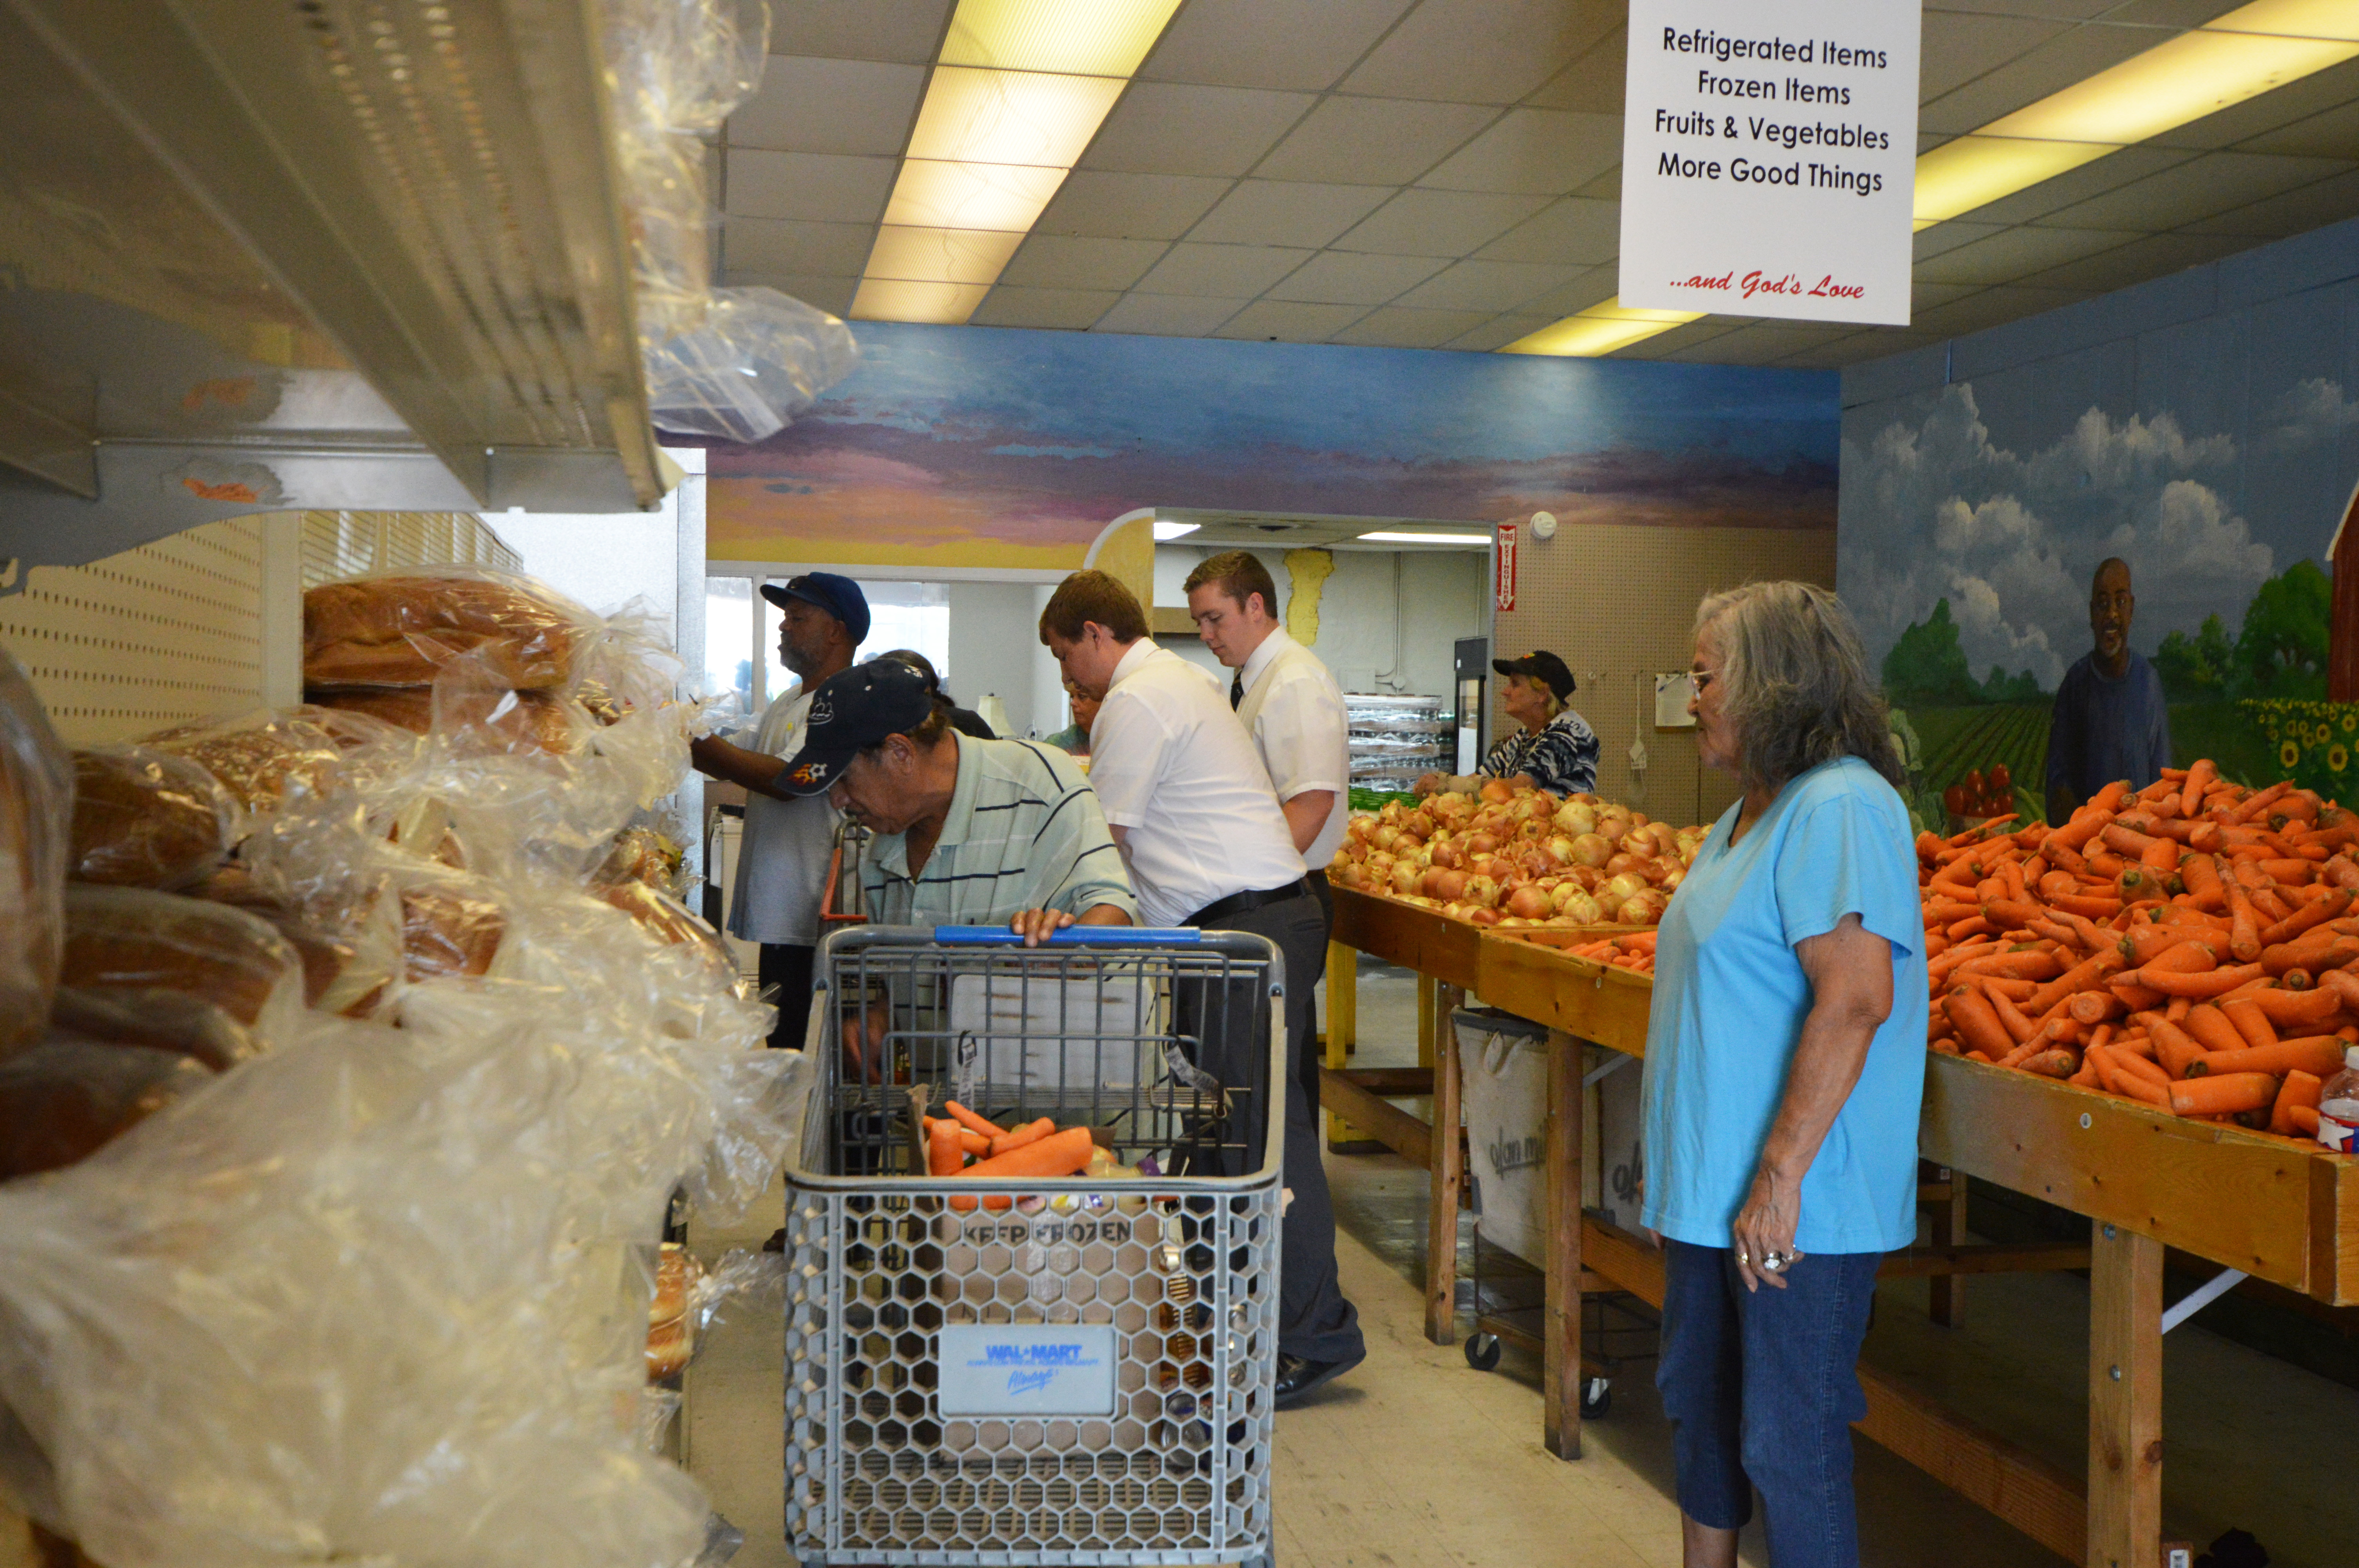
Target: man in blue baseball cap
{"points": [[782, 860]]}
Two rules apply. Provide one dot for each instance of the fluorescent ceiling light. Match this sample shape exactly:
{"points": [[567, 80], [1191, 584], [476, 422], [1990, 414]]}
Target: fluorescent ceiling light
{"points": [[1021, 87], [2227, 60], [1470, 541], [1173, 530]]}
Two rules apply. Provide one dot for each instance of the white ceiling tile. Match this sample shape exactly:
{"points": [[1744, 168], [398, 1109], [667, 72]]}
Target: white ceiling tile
{"points": [[1486, 285], [2071, 10], [823, 186], [1498, 333], [1993, 307], [830, 106], [1232, 271], [1873, 343], [1594, 83], [1290, 321], [1168, 315], [1575, 230], [1746, 345], [1438, 222], [1072, 310], [1679, 341], [1286, 212], [1606, 187], [1306, 45], [1129, 206], [1483, 51], [1543, 152], [1372, 141], [1928, 242], [832, 294], [1074, 261], [1168, 129], [2069, 57], [906, 30], [1593, 286], [1393, 328], [1345, 277], [2011, 253], [2201, 187], [2295, 212], [2078, 185], [1960, 45], [2331, 133], [1923, 296], [2148, 256], [825, 250]]}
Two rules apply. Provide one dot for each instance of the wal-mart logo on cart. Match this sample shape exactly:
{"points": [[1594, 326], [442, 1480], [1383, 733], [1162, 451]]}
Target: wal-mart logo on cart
{"points": [[1516, 1153]]}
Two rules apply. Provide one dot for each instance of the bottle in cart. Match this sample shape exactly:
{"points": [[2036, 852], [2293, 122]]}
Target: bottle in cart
{"points": [[2338, 1106]]}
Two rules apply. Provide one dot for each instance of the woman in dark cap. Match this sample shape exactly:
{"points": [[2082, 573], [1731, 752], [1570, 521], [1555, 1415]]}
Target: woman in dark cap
{"points": [[1555, 751], [965, 720]]}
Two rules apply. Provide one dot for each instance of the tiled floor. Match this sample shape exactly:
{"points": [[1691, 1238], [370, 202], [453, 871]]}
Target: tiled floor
{"points": [[1417, 1460]]}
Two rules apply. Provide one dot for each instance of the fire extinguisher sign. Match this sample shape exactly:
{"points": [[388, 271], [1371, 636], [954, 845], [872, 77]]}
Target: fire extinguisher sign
{"points": [[1505, 560]]}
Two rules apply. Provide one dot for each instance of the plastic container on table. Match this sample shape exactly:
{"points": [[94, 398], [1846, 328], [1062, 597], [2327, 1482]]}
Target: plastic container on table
{"points": [[1077, 1370], [2338, 1106]]}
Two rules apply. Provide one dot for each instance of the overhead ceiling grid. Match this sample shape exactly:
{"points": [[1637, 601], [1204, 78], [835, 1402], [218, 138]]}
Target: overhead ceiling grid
{"points": [[1446, 174]]}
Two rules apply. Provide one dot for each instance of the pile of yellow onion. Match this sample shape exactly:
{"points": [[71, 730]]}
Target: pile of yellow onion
{"points": [[1518, 857]]}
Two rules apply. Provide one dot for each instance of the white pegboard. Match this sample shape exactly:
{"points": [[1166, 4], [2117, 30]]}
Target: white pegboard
{"points": [[155, 636], [1617, 603], [346, 543]]}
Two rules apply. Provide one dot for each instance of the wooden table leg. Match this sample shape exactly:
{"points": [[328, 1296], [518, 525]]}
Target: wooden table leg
{"points": [[1343, 1024], [2125, 1398], [1448, 1166], [1948, 1306], [1428, 1028], [1561, 1374]]}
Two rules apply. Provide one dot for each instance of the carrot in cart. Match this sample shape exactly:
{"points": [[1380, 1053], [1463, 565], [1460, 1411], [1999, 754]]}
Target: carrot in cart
{"points": [[2297, 1008], [1062, 1154], [972, 1122], [2320, 1054], [2250, 1021], [2173, 1047], [2210, 1027], [2200, 985], [1978, 1027], [2010, 1017], [2299, 1090], [1030, 1132], [2055, 1064], [2228, 1093], [943, 1155], [2095, 1007]]}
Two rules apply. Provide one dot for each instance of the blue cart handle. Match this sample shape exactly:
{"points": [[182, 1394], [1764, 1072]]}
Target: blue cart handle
{"points": [[1071, 937]]}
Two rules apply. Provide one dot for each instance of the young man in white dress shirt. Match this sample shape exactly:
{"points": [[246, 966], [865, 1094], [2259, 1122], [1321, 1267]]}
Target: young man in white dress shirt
{"points": [[1188, 800]]}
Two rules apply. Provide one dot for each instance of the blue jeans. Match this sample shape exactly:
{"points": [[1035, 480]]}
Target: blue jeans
{"points": [[1762, 1390]]}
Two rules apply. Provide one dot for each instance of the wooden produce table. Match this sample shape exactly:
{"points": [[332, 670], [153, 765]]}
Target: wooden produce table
{"points": [[2147, 1180]]}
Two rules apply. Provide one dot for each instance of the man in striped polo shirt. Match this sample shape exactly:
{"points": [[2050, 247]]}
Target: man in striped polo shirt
{"points": [[969, 832]]}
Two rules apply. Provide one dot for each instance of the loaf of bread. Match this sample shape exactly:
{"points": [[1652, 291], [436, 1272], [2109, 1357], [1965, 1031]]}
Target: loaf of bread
{"points": [[446, 934], [67, 1096], [509, 720], [404, 630], [266, 757], [147, 819], [36, 824], [668, 921], [669, 1346], [327, 957], [640, 855], [178, 974]]}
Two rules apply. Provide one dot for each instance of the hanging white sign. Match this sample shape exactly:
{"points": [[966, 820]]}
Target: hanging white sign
{"points": [[1768, 157]]}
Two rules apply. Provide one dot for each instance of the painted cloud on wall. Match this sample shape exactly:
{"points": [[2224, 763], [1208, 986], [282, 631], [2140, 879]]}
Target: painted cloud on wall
{"points": [[1932, 509]]}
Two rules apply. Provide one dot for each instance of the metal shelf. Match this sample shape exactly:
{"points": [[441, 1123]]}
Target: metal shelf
{"points": [[267, 254]]}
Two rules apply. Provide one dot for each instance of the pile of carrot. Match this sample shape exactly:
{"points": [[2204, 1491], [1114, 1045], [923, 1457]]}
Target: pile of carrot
{"points": [[2188, 946], [1036, 1150], [1634, 951]]}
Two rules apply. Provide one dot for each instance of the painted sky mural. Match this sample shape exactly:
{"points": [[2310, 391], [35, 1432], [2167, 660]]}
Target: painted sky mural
{"points": [[987, 447]]}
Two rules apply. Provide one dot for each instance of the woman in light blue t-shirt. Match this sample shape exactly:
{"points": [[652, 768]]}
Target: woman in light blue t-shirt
{"points": [[1784, 1066]]}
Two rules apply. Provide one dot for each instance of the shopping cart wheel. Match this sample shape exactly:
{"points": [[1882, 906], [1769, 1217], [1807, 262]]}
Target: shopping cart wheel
{"points": [[1482, 1351], [1597, 1399]]}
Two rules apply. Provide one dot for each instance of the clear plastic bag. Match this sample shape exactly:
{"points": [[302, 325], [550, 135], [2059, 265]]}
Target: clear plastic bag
{"points": [[266, 757], [67, 1096], [402, 627], [683, 65], [758, 359], [180, 974], [37, 785], [148, 819]]}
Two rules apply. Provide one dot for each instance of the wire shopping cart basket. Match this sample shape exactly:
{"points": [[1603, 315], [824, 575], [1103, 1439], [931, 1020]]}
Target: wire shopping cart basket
{"points": [[1040, 1371]]}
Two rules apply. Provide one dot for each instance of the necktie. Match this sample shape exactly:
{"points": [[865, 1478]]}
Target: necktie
{"points": [[1236, 689]]}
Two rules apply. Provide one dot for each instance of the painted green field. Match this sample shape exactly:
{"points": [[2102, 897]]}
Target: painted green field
{"points": [[1958, 740]]}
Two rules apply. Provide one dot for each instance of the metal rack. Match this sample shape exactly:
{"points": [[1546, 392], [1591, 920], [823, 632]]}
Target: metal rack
{"points": [[313, 253], [1393, 739]]}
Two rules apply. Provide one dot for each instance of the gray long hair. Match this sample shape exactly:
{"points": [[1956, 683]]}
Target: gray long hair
{"points": [[1795, 683]]}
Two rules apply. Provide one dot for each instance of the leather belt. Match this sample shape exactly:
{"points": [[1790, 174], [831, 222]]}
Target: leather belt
{"points": [[1238, 902]]}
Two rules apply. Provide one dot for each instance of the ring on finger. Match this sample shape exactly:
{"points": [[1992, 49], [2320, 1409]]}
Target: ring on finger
{"points": [[1774, 1262]]}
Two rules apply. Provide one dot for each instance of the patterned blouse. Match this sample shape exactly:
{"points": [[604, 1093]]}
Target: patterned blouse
{"points": [[1560, 756]]}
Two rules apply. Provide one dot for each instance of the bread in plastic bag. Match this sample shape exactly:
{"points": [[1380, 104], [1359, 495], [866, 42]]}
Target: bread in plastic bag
{"points": [[366, 1300], [150, 819], [37, 787], [180, 974], [758, 359], [642, 854], [67, 1096], [266, 757], [335, 977], [522, 720], [401, 628]]}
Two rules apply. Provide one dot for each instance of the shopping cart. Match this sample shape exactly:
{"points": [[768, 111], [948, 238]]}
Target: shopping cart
{"points": [[1084, 1374]]}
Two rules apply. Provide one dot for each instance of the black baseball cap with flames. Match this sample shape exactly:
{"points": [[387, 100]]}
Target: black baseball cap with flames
{"points": [[850, 711]]}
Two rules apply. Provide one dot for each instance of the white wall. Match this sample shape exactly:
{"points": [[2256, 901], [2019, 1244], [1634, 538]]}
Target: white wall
{"points": [[606, 560], [995, 647], [1387, 620]]}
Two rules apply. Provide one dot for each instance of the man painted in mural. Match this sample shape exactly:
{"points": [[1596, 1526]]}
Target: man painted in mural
{"points": [[2109, 722]]}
